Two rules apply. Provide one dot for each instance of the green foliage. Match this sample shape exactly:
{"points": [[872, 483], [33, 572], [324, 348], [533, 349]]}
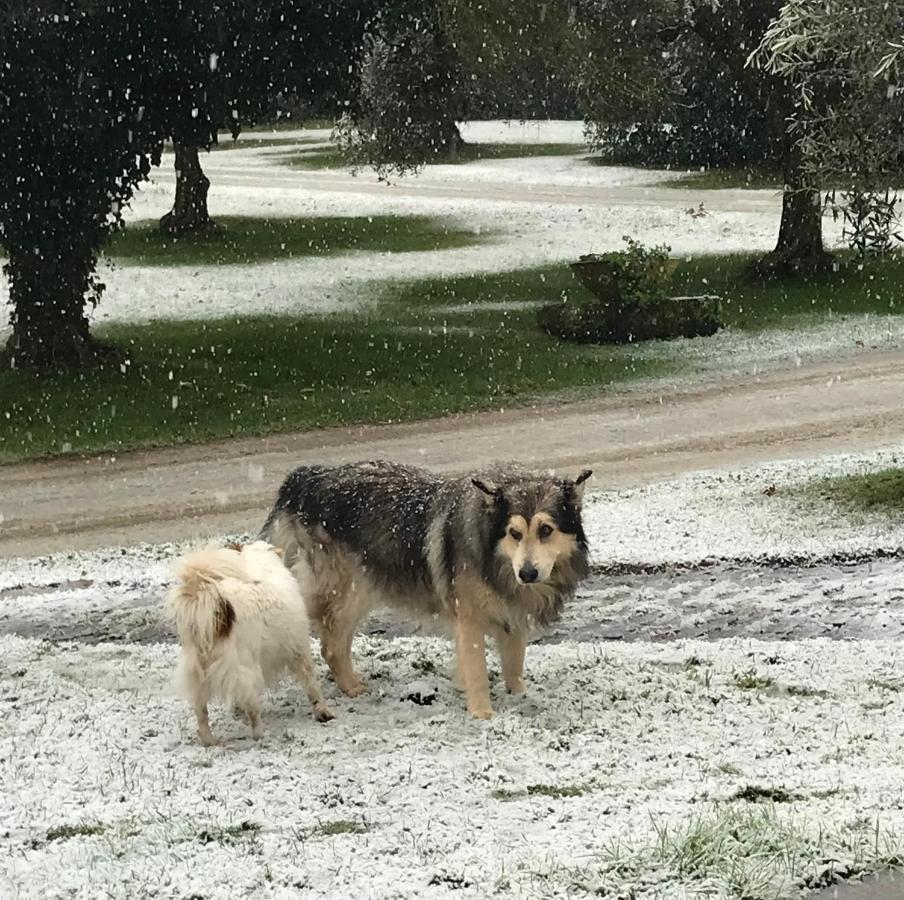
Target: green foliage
{"points": [[668, 84], [81, 122], [639, 275], [631, 302], [411, 94], [88, 93], [870, 216]]}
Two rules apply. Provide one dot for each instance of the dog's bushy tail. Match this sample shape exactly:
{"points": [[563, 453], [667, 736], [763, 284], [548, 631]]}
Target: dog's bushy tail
{"points": [[195, 606]]}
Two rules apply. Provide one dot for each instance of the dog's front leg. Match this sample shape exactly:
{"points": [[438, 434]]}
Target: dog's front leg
{"points": [[472, 665], [512, 646]]}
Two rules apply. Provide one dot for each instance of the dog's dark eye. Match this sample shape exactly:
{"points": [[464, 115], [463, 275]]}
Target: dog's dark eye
{"points": [[515, 534], [544, 531]]}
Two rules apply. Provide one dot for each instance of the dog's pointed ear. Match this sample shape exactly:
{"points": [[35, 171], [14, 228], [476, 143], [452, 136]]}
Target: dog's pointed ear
{"points": [[581, 482], [488, 488]]}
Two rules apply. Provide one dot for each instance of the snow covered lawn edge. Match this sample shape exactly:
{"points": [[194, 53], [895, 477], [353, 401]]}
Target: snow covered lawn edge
{"points": [[592, 783]]}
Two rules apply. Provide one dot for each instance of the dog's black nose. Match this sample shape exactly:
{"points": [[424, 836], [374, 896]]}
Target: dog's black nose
{"points": [[528, 574]]}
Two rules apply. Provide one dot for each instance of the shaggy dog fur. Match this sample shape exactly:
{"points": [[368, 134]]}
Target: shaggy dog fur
{"points": [[493, 553], [242, 622]]}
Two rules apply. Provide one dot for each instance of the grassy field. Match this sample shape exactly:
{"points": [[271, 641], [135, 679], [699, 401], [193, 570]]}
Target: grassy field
{"points": [[714, 179], [330, 158], [431, 347], [242, 241], [881, 492], [191, 381]]}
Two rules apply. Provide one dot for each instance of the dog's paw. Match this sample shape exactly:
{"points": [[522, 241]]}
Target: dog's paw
{"points": [[208, 740], [517, 687], [323, 714], [354, 689], [481, 712]]}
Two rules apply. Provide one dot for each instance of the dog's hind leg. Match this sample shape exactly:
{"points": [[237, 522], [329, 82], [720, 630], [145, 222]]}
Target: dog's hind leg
{"points": [[336, 649], [193, 682], [342, 614], [249, 703], [470, 644], [205, 735], [303, 668], [512, 646], [253, 714]]}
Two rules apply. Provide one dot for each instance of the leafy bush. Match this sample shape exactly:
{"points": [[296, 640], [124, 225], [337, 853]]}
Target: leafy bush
{"points": [[631, 301], [638, 276]]}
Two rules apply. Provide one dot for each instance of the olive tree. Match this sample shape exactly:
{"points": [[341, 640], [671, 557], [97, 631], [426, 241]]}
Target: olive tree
{"points": [[842, 61], [82, 120], [411, 94]]}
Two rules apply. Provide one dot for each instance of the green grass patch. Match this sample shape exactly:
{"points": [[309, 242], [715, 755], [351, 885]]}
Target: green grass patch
{"points": [[756, 852], [242, 240], [67, 832], [881, 491], [249, 142], [331, 158], [875, 288], [229, 834], [856, 289], [554, 791], [756, 794], [752, 681], [286, 124], [721, 179], [338, 826]]}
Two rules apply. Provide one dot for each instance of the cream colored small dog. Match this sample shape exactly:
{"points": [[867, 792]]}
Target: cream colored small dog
{"points": [[242, 622]]}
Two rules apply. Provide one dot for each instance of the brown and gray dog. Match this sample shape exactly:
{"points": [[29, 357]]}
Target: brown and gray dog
{"points": [[492, 553]]}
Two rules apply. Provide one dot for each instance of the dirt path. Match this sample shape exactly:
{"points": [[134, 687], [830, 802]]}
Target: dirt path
{"points": [[193, 492]]}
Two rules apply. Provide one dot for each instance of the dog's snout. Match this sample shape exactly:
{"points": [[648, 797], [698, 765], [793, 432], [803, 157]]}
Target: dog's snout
{"points": [[528, 573]]}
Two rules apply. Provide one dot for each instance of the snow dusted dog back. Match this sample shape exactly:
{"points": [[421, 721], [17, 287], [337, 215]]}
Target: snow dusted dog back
{"points": [[242, 622]]}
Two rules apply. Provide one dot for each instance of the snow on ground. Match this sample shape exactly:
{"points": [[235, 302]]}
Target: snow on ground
{"points": [[530, 211], [107, 794], [551, 131], [590, 783], [727, 515]]}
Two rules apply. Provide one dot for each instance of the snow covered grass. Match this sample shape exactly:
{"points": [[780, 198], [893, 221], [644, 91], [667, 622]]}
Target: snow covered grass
{"points": [[761, 511], [626, 771], [540, 210], [738, 769], [727, 179]]}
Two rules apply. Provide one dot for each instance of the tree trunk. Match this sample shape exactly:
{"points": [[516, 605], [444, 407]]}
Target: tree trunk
{"points": [[189, 213], [453, 145], [49, 291], [799, 250]]}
